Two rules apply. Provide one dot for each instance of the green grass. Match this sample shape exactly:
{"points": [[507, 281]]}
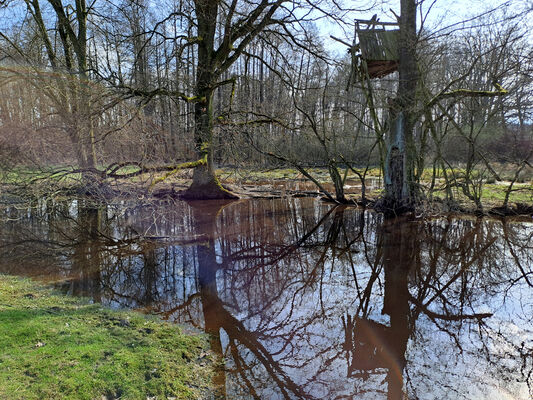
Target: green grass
{"points": [[250, 175], [495, 194], [59, 347], [47, 177]]}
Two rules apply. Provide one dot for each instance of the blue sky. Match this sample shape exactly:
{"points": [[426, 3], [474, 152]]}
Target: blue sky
{"points": [[442, 14]]}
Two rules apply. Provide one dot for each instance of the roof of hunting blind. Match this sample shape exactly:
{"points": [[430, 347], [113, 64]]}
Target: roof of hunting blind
{"points": [[379, 47]]}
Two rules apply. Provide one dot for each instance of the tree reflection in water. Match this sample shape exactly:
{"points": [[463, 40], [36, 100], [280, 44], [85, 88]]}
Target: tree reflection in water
{"points": [[304, 300]]}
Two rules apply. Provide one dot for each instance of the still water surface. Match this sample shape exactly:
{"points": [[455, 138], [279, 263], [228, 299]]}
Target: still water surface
{"points": [[303, 300]]}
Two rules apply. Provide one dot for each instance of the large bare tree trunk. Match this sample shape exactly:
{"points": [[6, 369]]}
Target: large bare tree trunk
{"points": [[205, 184], [400, 186]]}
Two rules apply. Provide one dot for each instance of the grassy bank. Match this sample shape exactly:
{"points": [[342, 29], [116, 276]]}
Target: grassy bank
{"points": [[273, 181], [58, 347]]}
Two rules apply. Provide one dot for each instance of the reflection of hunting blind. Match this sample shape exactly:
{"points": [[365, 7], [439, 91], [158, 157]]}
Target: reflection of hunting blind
{"points": [[378, 46], [370, 344]]}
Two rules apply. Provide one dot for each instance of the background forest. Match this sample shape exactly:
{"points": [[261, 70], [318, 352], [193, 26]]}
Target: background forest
{"points": [[111, 89]]}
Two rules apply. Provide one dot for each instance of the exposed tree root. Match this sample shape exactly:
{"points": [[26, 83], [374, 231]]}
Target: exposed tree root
{"points": [[206, 186], [392, 208]]}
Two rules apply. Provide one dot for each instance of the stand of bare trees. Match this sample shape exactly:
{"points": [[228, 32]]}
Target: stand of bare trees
{"points": [[117, 89]]}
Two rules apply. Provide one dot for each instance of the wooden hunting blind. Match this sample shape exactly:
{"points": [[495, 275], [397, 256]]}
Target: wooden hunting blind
{"points": [[378, 46]]}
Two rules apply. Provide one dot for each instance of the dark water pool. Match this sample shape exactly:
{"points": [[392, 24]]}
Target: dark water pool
{"points": [[304, 300]]}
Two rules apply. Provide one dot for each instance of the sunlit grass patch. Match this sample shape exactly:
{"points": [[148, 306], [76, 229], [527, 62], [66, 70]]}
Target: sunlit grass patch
{"points": [[58, 347], [495, 193]]}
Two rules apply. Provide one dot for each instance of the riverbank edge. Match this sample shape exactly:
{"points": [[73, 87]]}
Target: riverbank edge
{"points": [[269, 184], [55, 346]]}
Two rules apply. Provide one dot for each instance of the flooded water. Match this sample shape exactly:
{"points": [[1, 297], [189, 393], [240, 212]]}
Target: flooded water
{"points": [[284, 188], [303, 300]]}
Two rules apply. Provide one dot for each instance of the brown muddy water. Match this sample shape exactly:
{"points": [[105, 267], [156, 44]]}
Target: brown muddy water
{"points": [[303, 300]]}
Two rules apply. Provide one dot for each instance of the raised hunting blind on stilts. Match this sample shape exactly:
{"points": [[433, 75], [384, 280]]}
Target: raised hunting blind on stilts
{"points": [[376, 47]]}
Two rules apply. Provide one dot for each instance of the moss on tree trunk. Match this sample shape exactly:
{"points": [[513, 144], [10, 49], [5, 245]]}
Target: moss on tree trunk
{"points": [[401, 190], [205, 184]]}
